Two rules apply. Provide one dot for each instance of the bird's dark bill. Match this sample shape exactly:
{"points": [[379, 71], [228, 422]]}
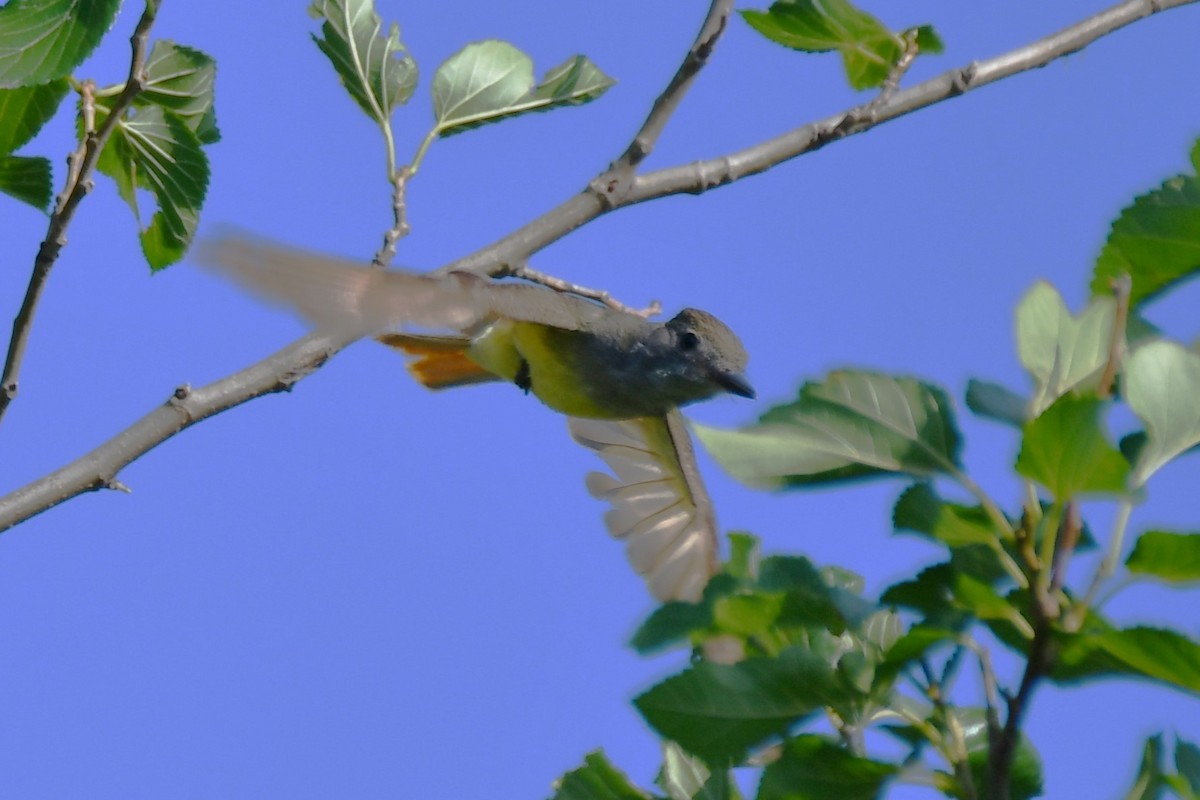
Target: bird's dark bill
{"points": [[735, 384]]}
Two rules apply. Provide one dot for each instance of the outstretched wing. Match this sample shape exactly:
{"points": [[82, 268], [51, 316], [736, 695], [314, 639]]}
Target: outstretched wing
{"points": [[357, 300], [660, 507]]}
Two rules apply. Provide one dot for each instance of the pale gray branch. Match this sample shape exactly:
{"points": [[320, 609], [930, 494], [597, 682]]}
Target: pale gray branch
{"points": [[100, 467]]}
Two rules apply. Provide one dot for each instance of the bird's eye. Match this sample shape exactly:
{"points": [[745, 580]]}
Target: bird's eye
{"points": [[688, 340]]}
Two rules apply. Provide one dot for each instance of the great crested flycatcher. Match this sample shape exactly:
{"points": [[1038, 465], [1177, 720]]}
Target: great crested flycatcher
{"points": [[620, 376]]}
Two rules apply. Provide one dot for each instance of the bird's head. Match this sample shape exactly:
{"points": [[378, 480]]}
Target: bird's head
{"points": [[707, 354]]}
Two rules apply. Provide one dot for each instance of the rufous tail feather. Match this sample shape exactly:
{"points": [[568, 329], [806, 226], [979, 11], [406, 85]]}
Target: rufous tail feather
{"points": [[438, 362]]}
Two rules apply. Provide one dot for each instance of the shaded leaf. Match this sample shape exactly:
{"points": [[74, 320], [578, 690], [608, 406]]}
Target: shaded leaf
{"points": [[811, 596], [27, 179], [1063, 353], [1170, 556], [853, 425], [1161, 384], [1187, 761], [156, 150], [869, 50], [43, 40], [24, 111], [1066, 451], [996, 402], [814, 768], [489, 81], [1148, 785], [597, 779], [181, 79], [1156, 241], [920, 510], [982, 601], [719, 711], [917, 642], [671, 624], [375, 69]]}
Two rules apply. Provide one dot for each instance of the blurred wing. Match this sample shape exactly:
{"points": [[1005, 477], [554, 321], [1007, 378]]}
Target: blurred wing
{"points": [[659, 504], [350, 298]]}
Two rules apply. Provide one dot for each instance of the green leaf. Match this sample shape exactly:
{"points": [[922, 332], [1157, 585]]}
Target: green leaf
{"points": [[156, 150], [1066, 451], [931, 593], [813, 768], [27, 179], [43, 40], [375, 69], [1161, 655], [1025, 775], [1187, 761], [855, 424], [914, 644], [671, 624], [1063, 353], [747, 615], [920, 510], [1173, 557], [181, 79], [1148, 785], [489, 81], [719, 711], [24, 111], [1161, 384], [685, 777], [597, 779], [810, 596], [993, 401], [869, 50], [1156, 241], [982, 601]]}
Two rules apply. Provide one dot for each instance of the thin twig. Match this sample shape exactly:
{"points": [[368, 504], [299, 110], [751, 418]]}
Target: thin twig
{"points": [[1107, 567], [956, 753], [558, 284], [81, 164], [1121, 288], [296, 360], [665, 104], [400, 228]]}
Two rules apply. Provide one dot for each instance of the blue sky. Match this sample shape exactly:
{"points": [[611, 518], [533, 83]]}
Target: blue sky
{"points": [[364, 589]]}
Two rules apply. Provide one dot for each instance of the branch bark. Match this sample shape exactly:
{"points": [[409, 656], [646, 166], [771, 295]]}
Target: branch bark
{"points": [[81, 165], [279, 371]]}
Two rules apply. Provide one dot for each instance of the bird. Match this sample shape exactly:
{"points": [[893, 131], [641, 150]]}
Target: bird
{"points": [[618, 377]]}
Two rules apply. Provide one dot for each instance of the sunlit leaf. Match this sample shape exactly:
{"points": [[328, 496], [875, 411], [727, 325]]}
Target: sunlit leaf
{"points": [[1162, 384], [1063, 353], [814, 768], [855, 424], [1171, 556], [1156, 241], [375, 69], [1066, 451], [685, 777], [43, 40], [597, 779], [920, 510], [181, 79], [27, 179], [24, 111], [156, 150], [489, 81], [1158, 654], [869, 50], [719, 711]]}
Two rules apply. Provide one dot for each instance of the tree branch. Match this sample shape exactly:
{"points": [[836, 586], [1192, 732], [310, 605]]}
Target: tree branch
{"points": [[98, 469], [81, 165], [280, 370]]}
